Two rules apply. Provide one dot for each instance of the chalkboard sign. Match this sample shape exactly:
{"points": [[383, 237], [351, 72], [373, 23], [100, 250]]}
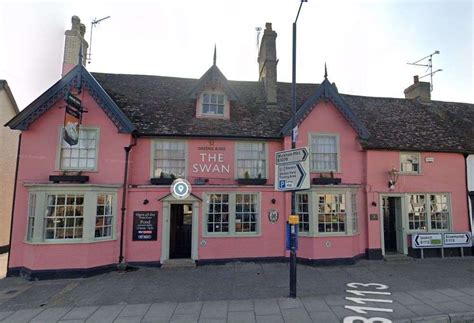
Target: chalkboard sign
{"points": [[145, 225]]}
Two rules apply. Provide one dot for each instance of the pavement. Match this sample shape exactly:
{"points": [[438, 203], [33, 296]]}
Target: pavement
{"points": [[429, 290]]}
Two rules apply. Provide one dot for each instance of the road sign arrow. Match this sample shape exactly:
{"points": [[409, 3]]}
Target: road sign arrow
{"points": [[468, 238], [416, 240], [302, 175]]}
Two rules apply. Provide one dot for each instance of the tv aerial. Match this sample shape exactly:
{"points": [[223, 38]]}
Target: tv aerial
{"points": [[427, 62], [94, 23]]}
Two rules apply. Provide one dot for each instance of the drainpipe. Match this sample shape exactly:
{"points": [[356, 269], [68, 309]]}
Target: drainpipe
{"points": [[13, 203], [121, 264]]}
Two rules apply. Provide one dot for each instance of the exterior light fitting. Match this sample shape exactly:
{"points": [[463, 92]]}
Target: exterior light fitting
{"points": [[393, 178]]}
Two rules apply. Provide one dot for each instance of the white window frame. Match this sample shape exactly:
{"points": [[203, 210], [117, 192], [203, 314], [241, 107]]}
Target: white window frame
{"points": [[224, 104], [428, 212], [349, 192], [60, 146], [103, 226], [153, 154], [232, 211], [90, 193], [404, 172], [265, 154], [338, 150]]}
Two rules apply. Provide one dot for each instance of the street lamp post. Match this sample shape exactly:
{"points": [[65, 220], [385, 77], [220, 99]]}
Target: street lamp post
{"points": [[293, 227]]}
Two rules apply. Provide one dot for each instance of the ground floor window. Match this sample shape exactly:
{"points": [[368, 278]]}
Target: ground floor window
{"points": [[75, 214], [428, 212], [330, 212], [232, 214]]}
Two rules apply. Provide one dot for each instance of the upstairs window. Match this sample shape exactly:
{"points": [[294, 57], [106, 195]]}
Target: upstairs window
{"points": [[82, 156], [251, 160], [410, 163], [213, 104], [324, 153], [169, 158]]}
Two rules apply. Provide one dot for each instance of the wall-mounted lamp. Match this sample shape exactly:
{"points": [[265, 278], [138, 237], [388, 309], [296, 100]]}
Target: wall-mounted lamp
{"points": [[393, 178], [145, 201]]}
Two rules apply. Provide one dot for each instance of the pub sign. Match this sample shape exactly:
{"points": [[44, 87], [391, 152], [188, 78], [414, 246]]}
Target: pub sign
{"points": [[145, 225]]}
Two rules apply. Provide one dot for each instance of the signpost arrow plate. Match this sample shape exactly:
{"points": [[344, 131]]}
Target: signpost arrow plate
{"points": [[292, 170], [427, 240], [457, 239]]}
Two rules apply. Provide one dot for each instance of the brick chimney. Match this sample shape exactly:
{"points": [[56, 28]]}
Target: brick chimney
{"points": [[73, 40], [418, 90], [267, 63]]}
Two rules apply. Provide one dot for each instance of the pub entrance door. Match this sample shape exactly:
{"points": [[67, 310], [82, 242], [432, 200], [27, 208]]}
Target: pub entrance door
{"points": [[181, 230]]}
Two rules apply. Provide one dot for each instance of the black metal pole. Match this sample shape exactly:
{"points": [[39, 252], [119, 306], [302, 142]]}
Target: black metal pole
{"points": [[121, 264]]}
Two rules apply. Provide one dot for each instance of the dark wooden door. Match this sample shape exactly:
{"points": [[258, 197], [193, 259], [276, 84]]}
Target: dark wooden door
{"points": [[389, 228], [180, 231]]}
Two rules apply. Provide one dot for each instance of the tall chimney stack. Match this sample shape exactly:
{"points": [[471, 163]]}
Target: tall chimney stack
{"points": [[418, 90], [267, 63], [74, 38]]}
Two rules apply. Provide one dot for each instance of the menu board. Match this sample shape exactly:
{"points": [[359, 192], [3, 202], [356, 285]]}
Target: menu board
{"points": [[145, 225]]}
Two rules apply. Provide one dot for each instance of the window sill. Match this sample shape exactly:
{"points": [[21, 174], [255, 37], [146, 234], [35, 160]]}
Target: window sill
{"points": [[235, 235], [251, 181], [410, 174], [69, 178], [68, 241], [161, 181]]}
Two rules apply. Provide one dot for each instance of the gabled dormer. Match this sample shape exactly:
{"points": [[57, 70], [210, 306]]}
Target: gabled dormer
{"points": [[213, 94]]}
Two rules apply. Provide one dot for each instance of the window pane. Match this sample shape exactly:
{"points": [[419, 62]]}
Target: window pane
{"points": [[169, 159], [104, 216], [332, 213], [217, 218], [64, 216], [82, 155], [251, 160], [324, 153], [245, 216]]}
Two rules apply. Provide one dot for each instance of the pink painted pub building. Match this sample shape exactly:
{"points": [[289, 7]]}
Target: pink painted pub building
{"points": [[381, 169]]}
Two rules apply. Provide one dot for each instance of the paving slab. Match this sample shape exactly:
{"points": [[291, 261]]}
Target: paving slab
{"points": [[423, 310], [190, 308], [135, 310], [266, 307], [80, 313], [22, 316], [240, 305], [4, 315], [107, 313], [160, 311], [214, 309], [128, 319], [269, 319], [241, 316], [324, 317], [52, 314], [296, 315], [184, 318], [287, 303], [315, 304]]}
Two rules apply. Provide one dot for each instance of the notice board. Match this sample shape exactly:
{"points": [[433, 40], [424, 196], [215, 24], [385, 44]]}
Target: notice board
{"points": [[145, 225]]}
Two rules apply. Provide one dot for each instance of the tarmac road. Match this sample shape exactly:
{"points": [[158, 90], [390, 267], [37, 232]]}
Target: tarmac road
{"points": [[433, 290]]}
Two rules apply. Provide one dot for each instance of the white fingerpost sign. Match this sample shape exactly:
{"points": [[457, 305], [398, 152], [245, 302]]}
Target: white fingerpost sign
{"points": [[292, 170], [453, 240], [180, 189], [427, 240]]}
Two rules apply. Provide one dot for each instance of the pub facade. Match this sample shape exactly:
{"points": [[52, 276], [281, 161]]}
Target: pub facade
{"points": [[381, 169]]}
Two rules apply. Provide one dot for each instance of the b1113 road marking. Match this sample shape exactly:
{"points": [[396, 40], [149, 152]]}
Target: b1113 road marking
{"points": [[363, 309]]}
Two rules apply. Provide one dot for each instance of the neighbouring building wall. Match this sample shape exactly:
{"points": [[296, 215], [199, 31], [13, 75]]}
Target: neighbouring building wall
{"points": [[470, 187], [440, 173], [8, 149]]}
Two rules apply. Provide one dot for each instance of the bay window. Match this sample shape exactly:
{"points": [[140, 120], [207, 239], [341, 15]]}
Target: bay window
{"points": [[68, 213], [328, 212], [232, 214]]}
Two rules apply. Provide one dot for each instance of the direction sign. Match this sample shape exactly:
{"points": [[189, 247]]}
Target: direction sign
{"points": [[292, 170], [426, 240], [457, 239], [291, 156]]}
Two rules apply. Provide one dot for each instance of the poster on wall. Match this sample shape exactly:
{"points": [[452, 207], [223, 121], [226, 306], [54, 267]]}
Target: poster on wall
{"points": [[145, 225]]}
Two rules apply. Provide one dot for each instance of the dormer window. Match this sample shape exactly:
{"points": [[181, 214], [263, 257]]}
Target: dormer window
{"points": [[213, 104]]}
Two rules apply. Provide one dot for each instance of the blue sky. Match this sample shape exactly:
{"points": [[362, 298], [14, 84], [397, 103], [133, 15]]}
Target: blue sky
{"points": [[366, 44]]}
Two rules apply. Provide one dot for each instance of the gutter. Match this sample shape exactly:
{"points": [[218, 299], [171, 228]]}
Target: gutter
{"points": [[14, 200], [121, 264]]}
